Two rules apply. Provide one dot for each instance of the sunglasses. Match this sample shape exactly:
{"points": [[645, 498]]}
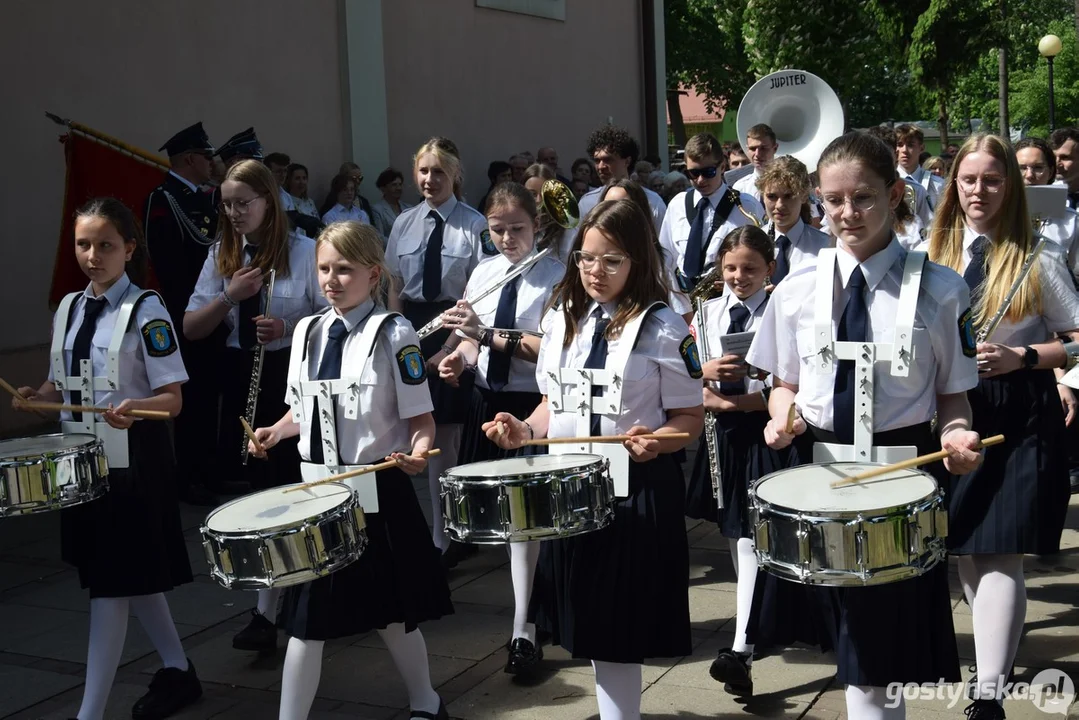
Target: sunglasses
{"points": [[707, 173]]}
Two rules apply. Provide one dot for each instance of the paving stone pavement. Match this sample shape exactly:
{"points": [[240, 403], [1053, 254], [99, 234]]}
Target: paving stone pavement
{"points": [[44, 622]]}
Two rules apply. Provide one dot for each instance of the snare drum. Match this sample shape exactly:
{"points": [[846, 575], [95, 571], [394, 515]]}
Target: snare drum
{"points": [[50, 472], [272, 540], [527, 498], [874, 532]]}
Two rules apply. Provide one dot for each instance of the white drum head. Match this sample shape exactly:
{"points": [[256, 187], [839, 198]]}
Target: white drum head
{"points": [[808, 488], [531, 465], [272, 509], [31, 447]]}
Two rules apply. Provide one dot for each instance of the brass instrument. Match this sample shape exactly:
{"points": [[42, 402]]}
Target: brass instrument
{"points": [[256, 371], [710, 441]]}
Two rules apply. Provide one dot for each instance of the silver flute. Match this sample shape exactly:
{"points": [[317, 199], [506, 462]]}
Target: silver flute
{"points": [[256, 371], [711, 444], [990, 327]]}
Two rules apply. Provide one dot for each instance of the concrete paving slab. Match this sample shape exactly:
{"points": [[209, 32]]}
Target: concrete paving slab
{"points": [[468, 636], [22, 687], [17, 575], [566, 696], [492, 588], [711, 607], [686, 703], [217, 661]]}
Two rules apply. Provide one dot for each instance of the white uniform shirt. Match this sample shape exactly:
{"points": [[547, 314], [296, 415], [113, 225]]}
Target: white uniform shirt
{"points": [[806, 243], [1064, 234], [657, 378], [305, 206], [932, 184], [533, 290], [464, 234], [340, 213], [294, 297], [748, 185], [674, 235], [921, 208], [385, 216], [717, 314], [785, 345], [659, 208], [386, 400], [143, 368], [286, 199]]}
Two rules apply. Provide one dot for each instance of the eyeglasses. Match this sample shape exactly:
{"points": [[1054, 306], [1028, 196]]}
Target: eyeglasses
{"points": [[863, 201], [989, 183], [706, 172], [357, 179], [1036, 169], [240, 206], [609, 264]]}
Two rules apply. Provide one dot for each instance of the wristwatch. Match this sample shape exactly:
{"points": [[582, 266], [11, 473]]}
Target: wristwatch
{"points": [[1030, 357]]}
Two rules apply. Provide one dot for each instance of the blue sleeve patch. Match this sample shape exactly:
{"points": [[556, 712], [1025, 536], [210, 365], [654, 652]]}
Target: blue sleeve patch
{"points": [[966, 334], [410, 363], [691, 357], [159, 338], [488, 244]]}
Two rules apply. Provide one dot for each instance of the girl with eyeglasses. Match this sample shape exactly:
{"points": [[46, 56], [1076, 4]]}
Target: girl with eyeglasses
{"points": [[864, 276], [620, 594], [1016, 501], [1038, 165], [255, 239]]}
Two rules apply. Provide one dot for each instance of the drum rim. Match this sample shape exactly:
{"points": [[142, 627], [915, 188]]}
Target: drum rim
{"points": [[450, 475], [349, 503], [90, 444]]}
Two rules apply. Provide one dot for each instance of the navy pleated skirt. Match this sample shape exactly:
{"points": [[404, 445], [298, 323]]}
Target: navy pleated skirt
{"points": [[450, 403], [1016, 501], [398, 579], [621, 594], [484, 405]]}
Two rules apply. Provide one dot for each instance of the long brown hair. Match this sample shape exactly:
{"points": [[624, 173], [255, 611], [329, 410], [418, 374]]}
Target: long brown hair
{"points": [[626, 225], [1011, 242], [273, 250], [128, 227]]}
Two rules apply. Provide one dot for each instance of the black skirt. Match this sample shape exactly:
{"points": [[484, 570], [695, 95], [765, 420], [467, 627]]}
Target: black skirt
{"points": [[1016, 501], [621, 594], [898, 632], [744, 458], [282, 466], [398, 578], [450, 403], [130, 541], [475, 447]]}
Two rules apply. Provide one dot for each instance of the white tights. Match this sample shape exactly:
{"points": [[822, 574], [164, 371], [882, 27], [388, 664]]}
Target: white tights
{"points": [[745, 569], [618, 690], [448, 439], [869, 703], [996, 591], [523, 559]]}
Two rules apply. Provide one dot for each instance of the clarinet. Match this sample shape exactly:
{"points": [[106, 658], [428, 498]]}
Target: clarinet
{"points": [[709, 417], [256, 372]]}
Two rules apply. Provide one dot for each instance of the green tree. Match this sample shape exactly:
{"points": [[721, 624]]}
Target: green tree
{"points": [[1030, 86]]}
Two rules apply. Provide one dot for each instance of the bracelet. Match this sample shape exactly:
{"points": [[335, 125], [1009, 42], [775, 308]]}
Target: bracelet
{"points": [[224, 297], [485, 337], [289, 327], [531, 433]]}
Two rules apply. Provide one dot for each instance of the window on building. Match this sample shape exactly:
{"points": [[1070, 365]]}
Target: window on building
{"points": [[552, 9]]}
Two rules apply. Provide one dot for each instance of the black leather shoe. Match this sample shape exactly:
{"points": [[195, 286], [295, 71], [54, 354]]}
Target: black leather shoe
{"points": [[260, 635], [442, 713], [984, 710], [732, 669], [523, 656], [171, 690]]}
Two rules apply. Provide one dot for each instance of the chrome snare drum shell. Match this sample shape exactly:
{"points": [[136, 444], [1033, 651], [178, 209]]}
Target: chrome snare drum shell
{"points": [[51, 472]]}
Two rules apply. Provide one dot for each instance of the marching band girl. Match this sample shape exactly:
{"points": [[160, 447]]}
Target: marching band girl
{"points": [[141, 502], [397, 582], [784, 189], [431, 252], [864, 275], [255, 239], [620, 594], [505, 368], [1016, 501]]}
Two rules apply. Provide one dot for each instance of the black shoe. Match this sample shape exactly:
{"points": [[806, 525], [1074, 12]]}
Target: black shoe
{"points": [[972, 684], [732, 669], [442, 713], [985, 710], [523, 656], [1074, 477], [260, 635], [170, 690], [199, 496]]}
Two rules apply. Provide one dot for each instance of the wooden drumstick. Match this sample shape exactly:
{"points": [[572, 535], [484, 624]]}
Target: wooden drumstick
{"points": [[251, 436], [792, 415], [912, 463], [61, 407], [18, 395], [356, 473], [500, 428], [606, 439]]}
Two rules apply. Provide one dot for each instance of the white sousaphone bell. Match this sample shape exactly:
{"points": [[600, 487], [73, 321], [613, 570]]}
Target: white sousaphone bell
{"points": [[802, 110]]}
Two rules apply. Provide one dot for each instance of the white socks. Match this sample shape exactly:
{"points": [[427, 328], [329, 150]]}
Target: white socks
{"points": [[523, 559], [156, 619], [618, 690], [745, 568], [409, 652], [868, 703], [267, 606], [448, 438], [108, 630], [996, 591], [299, 679]]}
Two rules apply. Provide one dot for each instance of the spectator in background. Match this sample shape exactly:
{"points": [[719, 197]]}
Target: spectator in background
{"points": [[583, 169], [391, 183], [518, 163], [296, 184], [937, 166], [579, 187], [641, 171], [673, 184], [498, 172], [654, 182], [353, 171], [549, 156], [340, 202], [737, 157], [951, 150], [278, 164], [527, 155], [1064, 142]]}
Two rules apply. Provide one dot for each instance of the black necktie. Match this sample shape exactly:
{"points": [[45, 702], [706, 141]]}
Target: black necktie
{"points": [[249, 310], [783, 263], [432, 261], [597, 360], [498, 363], [853, 326], [975, 272], [328, 369], [691, 264], [739, 315], [91, 311]]}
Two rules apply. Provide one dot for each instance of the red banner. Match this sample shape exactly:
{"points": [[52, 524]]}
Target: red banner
{"points": [[97, 168]]}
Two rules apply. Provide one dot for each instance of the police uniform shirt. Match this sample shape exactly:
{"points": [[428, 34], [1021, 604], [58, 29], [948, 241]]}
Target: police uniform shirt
{"points": [[1060, 303], [674, 235], [785, 345], [659, 208], [294, 297], [465, 242], [748, 185], [533, 290], [389, 390], [806, 243], [932, 184], [340, 213], [717, 315], [657, 376], [149, 354]]}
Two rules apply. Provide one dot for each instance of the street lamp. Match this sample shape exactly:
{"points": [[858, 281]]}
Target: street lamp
{"points": [[1049, 47]]}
